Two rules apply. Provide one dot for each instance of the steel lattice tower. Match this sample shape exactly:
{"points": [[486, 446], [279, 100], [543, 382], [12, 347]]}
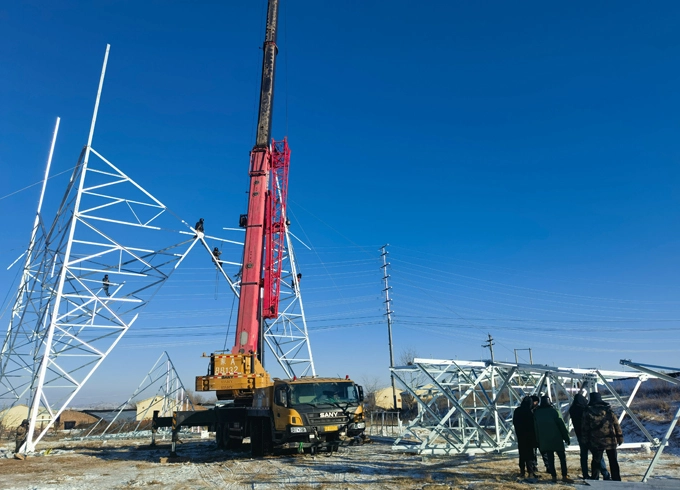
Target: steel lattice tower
{"points": [[86, 279]]}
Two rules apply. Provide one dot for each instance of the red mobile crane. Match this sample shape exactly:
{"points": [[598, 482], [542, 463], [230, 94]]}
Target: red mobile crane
{"points": [[299, 413]]}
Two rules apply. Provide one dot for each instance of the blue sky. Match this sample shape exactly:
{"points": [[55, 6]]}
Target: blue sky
{"points": [[520, 159]]}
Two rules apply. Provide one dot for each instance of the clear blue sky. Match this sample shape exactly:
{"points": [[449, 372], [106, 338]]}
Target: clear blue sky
{"points": [[520, 158]]}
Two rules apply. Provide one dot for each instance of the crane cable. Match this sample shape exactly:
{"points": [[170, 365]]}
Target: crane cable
{"points": [[231, 314], [217, 269]]}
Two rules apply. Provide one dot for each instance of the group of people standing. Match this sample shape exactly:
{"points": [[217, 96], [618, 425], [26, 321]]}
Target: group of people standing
{"points": [[539, 425]]}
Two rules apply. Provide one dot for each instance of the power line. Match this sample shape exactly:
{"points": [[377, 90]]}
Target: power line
{"points": [[35, 183]]}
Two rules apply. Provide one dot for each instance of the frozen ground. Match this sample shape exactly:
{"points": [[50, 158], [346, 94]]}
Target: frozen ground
{"points": [[131, 463]]}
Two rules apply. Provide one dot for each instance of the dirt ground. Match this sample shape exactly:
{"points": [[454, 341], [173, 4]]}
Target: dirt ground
{"points": [[131, 463]]}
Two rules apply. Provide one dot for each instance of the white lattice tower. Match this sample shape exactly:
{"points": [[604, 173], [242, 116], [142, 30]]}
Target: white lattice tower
{"points": [[287, 336], [70, 316], [20, 332]]}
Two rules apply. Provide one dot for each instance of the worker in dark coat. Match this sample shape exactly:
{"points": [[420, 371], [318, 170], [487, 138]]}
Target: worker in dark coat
{"points": [[523, 420], [578, 406], [601, 431], [199, 225], [20, 436], [552, 435], [105, 284]]}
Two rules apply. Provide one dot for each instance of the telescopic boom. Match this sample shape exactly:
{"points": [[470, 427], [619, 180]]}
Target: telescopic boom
{"points": [[249, 311]]}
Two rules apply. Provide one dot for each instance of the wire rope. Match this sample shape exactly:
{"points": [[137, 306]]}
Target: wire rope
{"points": [[231, 313]]}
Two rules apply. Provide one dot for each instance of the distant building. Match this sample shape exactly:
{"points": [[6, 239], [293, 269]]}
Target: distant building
{"points": [[425, 392], [145, 408], [127, 415], [11, 418], [384, 398], [165, 407], [72, 419]]}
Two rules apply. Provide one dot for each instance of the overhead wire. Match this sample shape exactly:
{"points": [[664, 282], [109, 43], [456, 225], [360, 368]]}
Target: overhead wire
{"points": [[542, 291], [476, 288], [508, 270], [438, 278], [35, 183]]}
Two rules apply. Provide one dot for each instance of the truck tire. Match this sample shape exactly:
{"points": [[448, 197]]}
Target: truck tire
{"points": [[232, 443], [261, 443], [219, 436]]}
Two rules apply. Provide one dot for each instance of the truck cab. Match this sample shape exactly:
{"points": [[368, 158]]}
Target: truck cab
{"points": [[306, 414]]}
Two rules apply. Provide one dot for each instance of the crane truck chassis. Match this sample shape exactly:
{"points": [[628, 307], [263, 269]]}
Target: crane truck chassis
{"points": [[306, 414]]}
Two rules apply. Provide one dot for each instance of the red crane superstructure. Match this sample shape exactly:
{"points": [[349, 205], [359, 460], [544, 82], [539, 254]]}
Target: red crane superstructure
{"points": [[265, 221]]}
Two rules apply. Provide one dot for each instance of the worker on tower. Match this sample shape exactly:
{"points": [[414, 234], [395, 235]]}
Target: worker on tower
{"points": [[106, 284], [199, 225], [293, 282], [21, 435], [216, 253]]}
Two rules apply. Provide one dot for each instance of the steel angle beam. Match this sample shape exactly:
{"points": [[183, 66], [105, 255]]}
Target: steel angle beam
{"points": [[655, 372]]}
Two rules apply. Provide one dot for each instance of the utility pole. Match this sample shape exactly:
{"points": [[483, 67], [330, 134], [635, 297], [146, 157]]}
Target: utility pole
{"points": [[489, 344], [388, 313]]}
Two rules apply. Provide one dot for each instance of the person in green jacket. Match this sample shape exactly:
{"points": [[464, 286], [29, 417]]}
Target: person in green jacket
{"points": [[552, 435]]}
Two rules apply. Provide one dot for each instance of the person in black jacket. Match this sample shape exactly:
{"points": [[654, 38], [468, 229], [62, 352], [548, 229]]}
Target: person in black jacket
{"points": [[523, 420], [601, 432], [576, 410], [199, 225]]}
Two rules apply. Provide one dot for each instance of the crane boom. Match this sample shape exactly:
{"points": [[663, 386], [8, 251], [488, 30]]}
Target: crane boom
{"points": [[249, 314], [269, 51]]}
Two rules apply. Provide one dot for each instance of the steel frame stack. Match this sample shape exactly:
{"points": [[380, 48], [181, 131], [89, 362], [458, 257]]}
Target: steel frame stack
{"points": [[467, 406], [171, 391]]}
